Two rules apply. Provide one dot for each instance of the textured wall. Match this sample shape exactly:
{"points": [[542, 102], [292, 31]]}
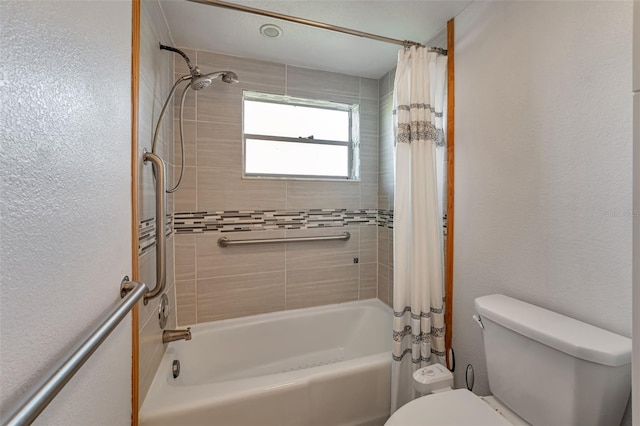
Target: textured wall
{"points": [[543, 163], [66, 225], [156, 80], [214, 283]]}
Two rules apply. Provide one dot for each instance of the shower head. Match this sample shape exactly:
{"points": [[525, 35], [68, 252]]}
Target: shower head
{"points": [[202, 81]]}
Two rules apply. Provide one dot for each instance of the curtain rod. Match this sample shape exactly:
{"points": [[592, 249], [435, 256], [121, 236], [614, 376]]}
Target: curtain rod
{"points": [[262, 12]]}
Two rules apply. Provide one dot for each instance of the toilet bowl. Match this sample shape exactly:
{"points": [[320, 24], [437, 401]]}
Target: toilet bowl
{"points": [[444, 406], [458, 407]]}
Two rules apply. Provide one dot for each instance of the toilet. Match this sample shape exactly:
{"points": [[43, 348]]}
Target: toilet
{"points": [[544, 369]]}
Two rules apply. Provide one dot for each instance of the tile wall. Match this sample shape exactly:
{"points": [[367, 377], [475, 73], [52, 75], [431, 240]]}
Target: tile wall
{"points": [[156, 79], [385, 189], [215, 283]]}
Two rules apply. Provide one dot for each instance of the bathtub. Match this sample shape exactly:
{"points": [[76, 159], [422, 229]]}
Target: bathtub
{"points": [[324, 366]]}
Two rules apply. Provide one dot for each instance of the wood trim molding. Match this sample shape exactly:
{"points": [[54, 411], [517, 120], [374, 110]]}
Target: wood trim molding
{"points": [[135, 86], [448, 269]]}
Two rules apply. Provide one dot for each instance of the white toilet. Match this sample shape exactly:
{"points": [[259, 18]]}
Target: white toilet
{"points": [[544, 369]]}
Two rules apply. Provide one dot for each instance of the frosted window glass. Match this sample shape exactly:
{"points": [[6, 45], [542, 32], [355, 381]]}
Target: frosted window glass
{"points": [[265, 118], [265, 157]]}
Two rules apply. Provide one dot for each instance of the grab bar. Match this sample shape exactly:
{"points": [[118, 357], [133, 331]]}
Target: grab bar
{"points": [[161, 268], [225, 242], [27, 409]]}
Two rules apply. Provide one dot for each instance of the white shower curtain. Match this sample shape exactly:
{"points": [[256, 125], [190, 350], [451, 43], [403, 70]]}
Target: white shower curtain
{"points": [[418, 323]]}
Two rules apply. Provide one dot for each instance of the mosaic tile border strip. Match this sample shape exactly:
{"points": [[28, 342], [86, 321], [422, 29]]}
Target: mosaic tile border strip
{"points": [[385, 218], [147, 233], [262, 220]]}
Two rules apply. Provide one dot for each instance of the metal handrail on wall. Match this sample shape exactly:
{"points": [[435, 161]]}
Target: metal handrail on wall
{"points": [[161, 200], [225, 242], [36, 399]]}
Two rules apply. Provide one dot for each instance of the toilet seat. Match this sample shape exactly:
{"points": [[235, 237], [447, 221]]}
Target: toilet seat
{"points": [[458, 407]]}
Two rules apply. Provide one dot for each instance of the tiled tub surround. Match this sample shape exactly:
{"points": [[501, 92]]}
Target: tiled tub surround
{"points": [[213, 132], [215, 283], [385, 187], [264, 220], [156, 79]]}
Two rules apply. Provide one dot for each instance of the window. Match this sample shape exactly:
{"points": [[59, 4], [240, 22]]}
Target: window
{"points": [[299, 138]]}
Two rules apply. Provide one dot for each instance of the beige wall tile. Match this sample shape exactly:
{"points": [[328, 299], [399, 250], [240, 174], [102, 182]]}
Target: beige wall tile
{"points": [[186, 302], [368, 288], [240, 295], [369, 116], [247, 70], [324, 96], [383, 284], [390, 248], [220, 145], [224, 189], [386, 189], [213, 182], [385, 86], [151, 351], [148, 112], [215, 261], [368, 190], [221, 103], [156, 79], [170, 260], [323, 195], [185, 199], [369, 146], [383, 245], [369, 88], [189, 109], [189, 131], [322, 286], [147, 274], [368, 244], [322, 81], [151, 346], [185, 257], [315, 254], [146, 189]]}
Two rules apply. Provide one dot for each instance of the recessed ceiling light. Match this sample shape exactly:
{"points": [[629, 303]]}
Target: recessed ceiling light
{"points": [[271, 31]]}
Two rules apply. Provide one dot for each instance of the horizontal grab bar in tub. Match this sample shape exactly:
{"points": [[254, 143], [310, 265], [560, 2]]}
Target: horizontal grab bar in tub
{"points": [[225, 242]]}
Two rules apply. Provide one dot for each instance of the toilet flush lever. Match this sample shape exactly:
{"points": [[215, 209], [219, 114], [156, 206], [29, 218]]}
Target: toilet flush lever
{"points": [[478, 321]]}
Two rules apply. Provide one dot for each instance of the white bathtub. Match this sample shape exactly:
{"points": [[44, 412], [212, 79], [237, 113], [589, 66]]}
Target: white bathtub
{"points": [[323, 366]]}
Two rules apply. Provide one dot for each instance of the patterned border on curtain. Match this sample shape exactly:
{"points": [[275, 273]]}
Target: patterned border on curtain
{"points": [[418, 323]]}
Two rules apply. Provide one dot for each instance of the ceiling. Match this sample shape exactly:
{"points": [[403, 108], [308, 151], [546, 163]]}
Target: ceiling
{"points": [[203, 27]]}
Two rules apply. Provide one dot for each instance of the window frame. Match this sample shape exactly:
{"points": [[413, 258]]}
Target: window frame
{"points": [[353, 144]]}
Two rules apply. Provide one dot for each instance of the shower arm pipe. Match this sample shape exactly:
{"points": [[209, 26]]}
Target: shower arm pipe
{"points": [[192, 69], [161, 197], [308, 22]]}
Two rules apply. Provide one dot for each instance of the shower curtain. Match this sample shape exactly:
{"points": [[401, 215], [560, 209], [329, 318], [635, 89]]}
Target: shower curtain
{"points": [[418, 325]]}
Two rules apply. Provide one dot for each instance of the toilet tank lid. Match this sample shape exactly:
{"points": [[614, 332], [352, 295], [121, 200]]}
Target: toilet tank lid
{"points": [[565, 334]]}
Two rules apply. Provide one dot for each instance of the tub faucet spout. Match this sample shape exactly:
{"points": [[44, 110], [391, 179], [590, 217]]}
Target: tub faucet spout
{"points": [[173, 335]]}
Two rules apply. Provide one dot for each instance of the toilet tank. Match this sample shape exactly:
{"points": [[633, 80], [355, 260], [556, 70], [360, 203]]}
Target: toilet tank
{"points": [[551, 369]]}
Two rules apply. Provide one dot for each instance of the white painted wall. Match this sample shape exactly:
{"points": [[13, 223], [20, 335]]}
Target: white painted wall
{"points": [[65, 200], [543, 164]]}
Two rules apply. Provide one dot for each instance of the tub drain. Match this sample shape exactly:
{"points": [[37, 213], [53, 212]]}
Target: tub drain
{"points": [[175, 368]]}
